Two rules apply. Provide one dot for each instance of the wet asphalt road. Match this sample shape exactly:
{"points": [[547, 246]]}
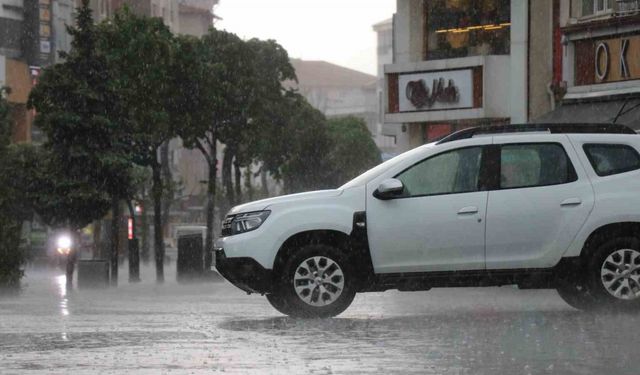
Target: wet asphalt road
{"points": [[214, 328]]}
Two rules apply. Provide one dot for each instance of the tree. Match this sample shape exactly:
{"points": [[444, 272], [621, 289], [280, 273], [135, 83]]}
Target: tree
{"points": [[5, 119], [141, 51], [306, 165], [11, 256], [79, 112], [216, 90], [353, 151], [267, 109]]}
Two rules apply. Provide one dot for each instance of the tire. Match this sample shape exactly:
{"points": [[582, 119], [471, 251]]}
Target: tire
{"points": [[277, 302], [576, 296], [325, 279], [614, 274]]}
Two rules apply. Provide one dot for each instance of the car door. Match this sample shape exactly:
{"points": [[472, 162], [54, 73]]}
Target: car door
{"points": [[437, 223], [543, 199]]}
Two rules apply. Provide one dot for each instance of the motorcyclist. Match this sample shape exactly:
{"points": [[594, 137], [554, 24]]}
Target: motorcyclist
{"points": [[67, 249]]}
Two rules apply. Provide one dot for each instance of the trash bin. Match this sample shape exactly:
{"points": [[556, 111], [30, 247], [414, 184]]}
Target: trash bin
{"points": [[93, 273], [190, 257]]}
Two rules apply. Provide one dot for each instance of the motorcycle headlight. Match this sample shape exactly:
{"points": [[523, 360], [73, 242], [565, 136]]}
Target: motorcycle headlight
{"points": [[64, 242], [247, 222]]}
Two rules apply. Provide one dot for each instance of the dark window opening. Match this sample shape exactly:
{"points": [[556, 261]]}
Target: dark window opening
{"points": [[461, 28]]}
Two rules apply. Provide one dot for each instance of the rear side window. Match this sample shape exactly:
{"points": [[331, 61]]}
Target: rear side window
{"points": [[610, 159], [534, 164]]}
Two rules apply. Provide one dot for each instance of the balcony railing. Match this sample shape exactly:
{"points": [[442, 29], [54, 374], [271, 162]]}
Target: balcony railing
{"points": [[626, 7]]}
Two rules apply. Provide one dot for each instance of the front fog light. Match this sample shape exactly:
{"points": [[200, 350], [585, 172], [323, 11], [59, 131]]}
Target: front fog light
{"points": [[247, 222]]}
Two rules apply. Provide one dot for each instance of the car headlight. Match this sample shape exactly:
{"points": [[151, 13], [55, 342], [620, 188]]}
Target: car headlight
{"points": [[243, 223]]}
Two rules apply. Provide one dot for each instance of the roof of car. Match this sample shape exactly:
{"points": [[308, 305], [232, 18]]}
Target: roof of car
{"points": [[528, 128]]}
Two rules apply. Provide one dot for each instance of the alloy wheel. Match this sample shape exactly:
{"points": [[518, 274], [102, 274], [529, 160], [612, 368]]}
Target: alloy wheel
{"points": [[318, 281], [620, 274]]}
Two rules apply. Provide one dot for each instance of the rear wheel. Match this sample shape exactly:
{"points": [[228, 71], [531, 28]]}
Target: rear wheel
{"points": [[315, 282], [573, 288], [576, 295], [614, 274]]}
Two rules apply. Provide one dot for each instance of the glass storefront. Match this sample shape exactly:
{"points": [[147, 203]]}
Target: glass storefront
{"points": [[461, 28]]}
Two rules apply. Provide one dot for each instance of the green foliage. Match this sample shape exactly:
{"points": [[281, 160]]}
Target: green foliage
{"points": [[270, 110], [5, 120], [140, 53], [88, 158], [307, 146], [11, 255], [199, 93], [353, 151], [151, 71]]}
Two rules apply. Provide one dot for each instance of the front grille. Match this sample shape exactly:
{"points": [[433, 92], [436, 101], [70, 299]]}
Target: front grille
{"points": [[226, 226]]}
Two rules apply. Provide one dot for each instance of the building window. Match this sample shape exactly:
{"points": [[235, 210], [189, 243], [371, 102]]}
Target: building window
{"points": [[461, 28], [595, 7]]}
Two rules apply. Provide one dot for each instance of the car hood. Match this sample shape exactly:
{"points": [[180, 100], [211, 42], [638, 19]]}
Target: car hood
{"points": [[265, 203]]}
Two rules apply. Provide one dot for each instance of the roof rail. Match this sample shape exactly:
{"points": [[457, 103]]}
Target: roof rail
{"points": [[550, 128]]}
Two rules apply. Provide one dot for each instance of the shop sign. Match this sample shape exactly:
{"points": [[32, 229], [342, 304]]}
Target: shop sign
{"points": [[44, 30], [608, 60], [45, 14], [45, 46], [432, 91]]}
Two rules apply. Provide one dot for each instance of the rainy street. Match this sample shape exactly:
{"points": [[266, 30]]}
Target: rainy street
{"points": [[216, 328]]}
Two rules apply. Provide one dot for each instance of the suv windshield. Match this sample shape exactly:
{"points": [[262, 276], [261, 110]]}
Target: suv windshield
{"points": [[376, 171]]}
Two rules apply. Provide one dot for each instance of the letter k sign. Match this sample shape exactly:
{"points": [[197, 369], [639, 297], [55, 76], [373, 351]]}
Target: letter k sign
{"points": [[624, 70]]}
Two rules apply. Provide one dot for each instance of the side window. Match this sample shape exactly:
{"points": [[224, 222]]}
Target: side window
{"points": [[534, 164], [609, 159], [455, 171]]}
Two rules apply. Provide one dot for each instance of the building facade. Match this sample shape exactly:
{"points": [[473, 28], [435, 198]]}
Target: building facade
{"points": [[196, 16], [14, 67], [337, 91], [599, 50], [31, 34], [387, 136], [462, 63]]}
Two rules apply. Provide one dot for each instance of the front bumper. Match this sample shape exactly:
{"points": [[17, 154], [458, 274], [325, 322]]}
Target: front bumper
{"points": [[245, 273]]}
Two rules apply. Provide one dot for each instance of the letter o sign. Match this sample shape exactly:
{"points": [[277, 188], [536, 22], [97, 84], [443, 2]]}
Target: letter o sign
{"points": [[602, 61]]}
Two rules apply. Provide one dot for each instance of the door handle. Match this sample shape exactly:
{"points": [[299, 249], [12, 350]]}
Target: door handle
{"points": [[468, 210], [571, 202]]}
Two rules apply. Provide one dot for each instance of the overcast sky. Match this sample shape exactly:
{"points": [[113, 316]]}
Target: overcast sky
{"points": [[339, 31]]}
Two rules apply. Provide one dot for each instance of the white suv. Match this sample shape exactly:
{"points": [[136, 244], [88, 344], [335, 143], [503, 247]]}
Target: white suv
{"points": [[539, 206]]}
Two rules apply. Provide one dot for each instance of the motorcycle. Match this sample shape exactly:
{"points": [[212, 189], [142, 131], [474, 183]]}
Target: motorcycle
{"points": [[66, 251]]}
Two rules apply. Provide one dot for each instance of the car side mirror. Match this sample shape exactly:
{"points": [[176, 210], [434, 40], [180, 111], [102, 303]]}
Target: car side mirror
{"points": [[388, 189]]}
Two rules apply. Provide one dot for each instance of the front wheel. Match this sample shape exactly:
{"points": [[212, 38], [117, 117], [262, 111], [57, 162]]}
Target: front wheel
{"points": [[277, 302], [315, 282]]}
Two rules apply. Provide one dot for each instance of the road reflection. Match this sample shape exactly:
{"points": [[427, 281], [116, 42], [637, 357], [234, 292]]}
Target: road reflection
{"points": [[61, 281], [468, 341]]}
